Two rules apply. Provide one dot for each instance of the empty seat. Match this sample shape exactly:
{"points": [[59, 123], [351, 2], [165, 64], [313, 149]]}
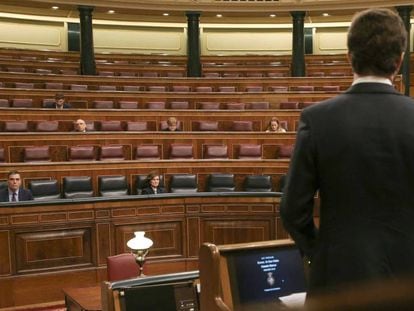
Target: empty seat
{"points": [[289, 105], [278, 88], [306, 104], [45, 189], [36, 154], [216, 152], [231, 75], [235, 106], [127, 74], [228, 89], [181, 151], [16, 69], [181, 88], [43, 71], [275, 74], [103, 104], [204, 89], [78, 87], [156, 105], [106, 73], [303, 88], [254, 74], [179, 105], [16, 126], [258, 105], [157, 88], [48, 102], [175, 74], [183, 183], [337, 74], [81, 153], [47, 126], [147, 152], [220, 182], [242, 126], [22, 103], [285, 151], [121, 267], [212, 75], [316, 74], [4, 103], [112, 153], [54, 85], [77, 187], [123, 104], [149, 74], [250, 151], [209, 105], [112, 125], [132, 88], [257, 183], [107, 87], [208, 125], [23, 85], [112, 186], [137, 126], [257, 88], [330, 88], [68, 71]]}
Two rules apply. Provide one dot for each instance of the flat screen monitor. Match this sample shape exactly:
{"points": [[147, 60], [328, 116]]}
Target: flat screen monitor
{"points": [[263, 278], [169, 292]]}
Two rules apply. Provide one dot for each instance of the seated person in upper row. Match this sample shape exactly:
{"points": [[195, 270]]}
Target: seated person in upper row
{"points": [[274, 126], [172, 125], [13, 192], [60, 102], [152, 184], [79, 126]]}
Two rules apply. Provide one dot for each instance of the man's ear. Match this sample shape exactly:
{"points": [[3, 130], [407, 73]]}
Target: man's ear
{"points": [[399, 62], [348, 56]]}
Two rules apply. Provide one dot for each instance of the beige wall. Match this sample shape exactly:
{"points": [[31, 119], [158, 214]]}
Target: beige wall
{"points": [[38, 33], [33, 34]]}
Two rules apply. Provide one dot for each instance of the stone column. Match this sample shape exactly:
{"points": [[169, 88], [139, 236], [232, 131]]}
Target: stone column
{"points": [[87, 56], [193, 45], [298, 44]]}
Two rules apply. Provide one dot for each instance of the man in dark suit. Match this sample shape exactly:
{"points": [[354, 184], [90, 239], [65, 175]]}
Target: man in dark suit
{"points": [[60, 102], [13, 192], [357, 150]]}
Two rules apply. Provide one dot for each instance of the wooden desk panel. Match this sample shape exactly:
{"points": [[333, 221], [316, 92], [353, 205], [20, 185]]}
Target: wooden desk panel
{"points": [[177, 225], [83, 298]]}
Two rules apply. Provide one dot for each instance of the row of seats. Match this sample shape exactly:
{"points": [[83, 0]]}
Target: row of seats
{"points": [[117, 185], [117, 125], [159, 104], [32, 154], [174, 88]]}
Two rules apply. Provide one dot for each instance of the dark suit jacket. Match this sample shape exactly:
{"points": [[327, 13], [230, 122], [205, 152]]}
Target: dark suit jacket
{"points": [[24, 195], [357, 149], [149, 190], [53, 105]]}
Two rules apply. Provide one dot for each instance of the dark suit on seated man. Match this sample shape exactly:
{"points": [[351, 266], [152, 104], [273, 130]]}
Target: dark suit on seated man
{"points": [[13, 192]]}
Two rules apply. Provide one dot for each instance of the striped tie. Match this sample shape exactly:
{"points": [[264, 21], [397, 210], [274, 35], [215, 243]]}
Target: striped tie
{"points": [[14, 196]]}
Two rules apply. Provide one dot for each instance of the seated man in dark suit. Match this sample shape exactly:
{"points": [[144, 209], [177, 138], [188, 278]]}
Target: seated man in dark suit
{"points": [[13, 192], [172, 125], [59, 103], [153, 184]]}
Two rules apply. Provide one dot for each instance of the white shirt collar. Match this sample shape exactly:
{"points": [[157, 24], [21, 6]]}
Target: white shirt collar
{"points": [[367, 79]]}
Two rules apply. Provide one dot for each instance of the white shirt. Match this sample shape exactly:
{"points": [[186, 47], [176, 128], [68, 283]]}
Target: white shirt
{"points": [[11, 195], [371, 79]]}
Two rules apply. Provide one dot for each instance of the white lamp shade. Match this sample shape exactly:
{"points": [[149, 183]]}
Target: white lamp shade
{"points": [[139, 242]]}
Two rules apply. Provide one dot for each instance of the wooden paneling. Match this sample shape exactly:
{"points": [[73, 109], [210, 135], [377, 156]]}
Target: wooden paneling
{"points": [[50, 256]]}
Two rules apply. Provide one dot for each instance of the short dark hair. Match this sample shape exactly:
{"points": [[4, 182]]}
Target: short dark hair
{"points": [[59, 96], [376, 40], [14, 172]]}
